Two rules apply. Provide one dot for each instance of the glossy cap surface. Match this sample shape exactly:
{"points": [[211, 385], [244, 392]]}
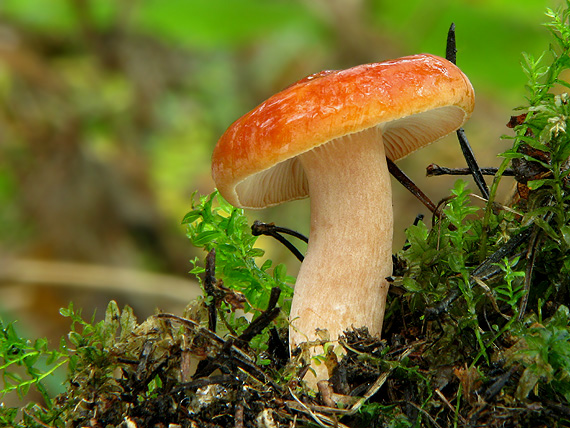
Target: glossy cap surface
{"points": [[415, 100]]}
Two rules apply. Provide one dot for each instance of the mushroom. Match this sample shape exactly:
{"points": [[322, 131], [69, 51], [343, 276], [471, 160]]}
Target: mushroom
{"points": [[328, 136]]}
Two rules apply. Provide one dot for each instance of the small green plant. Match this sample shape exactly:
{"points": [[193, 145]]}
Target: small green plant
{"points": [[543, 77], [440, 263], [390, 415], [462, 236], [544, 351], [510, 290], [446, 250], [539, 157], [214, 224], [25, 364], [18, 352]]}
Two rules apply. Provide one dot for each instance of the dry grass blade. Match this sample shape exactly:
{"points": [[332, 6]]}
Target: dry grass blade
{"points": [[317, 417], [448, 404]]}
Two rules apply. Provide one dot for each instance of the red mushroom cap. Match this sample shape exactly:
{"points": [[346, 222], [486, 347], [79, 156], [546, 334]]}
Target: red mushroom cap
{"points": [[415, 100]]}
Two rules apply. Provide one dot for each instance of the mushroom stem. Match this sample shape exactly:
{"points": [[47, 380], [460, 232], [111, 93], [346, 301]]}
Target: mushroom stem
{"points": [[341, 283]]}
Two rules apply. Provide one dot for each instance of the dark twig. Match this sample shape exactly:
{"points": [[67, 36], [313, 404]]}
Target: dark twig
{"points": [[143, 359], [491, 392], [558, 408], [424, 412], [260, 228], [434, 170], [209, 287], [228, 359], [504, 251], [263, 320], [244, 362], [433, 313], [228, 353], [451, 55], [450, 48], [289, 246], [194, 326], [273, 297], [407, 182], [472, 163], [269, 229], [277, 348], [530, 259]]}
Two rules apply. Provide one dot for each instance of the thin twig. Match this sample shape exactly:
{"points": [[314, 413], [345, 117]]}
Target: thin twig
{"points": [[407, 182], [206, 381], [504, 251], [451, 55], [530, 259], [433, 170], [228, 351], [269, 229], [450, 48], [431, 419], [448, 404], [496, 205], [433, 313], [418, 218], [193, 325], [263, 320], [35, 419], [209, 281], [318, 419], [485, 270], [239, 408], [472, 163]]}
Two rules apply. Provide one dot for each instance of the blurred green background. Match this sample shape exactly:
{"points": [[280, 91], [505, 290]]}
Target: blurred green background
{"points": [[109, 111]]}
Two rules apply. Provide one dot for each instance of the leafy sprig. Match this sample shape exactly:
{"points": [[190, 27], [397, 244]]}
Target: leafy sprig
{"points": [[214, 224], [543, 77], [544, 350], [510, 290], [25, 363]]}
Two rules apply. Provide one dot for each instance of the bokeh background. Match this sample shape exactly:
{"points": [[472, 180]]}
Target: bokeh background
{"points": [[109, 111]]}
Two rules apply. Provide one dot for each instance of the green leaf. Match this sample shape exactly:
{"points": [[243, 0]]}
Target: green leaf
{"points": [[266, 265], [280, 272], [456, 263], [192, 216], [75, 338], [205, 237], [565, 230], [537, 184], [544, 225], [197, 270], [255, 252], [412, 285]]}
